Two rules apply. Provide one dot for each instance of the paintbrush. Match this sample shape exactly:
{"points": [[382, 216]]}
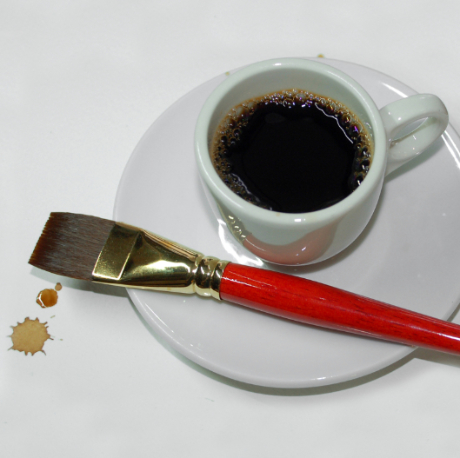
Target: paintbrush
{"points": [[103, 251]]}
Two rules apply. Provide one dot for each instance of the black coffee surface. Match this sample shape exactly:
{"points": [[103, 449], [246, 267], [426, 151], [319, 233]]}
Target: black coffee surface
{"points": [[291, 152]]}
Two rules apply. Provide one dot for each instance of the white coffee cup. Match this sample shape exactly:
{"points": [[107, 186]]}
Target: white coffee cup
{"points": [[305, 238]]}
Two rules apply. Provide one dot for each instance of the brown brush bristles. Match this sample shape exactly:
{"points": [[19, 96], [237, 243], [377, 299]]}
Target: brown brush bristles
{"points": [[70, 244]]}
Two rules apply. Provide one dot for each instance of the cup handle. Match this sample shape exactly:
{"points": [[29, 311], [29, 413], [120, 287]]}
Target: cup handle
{"points": [[400, 114]]}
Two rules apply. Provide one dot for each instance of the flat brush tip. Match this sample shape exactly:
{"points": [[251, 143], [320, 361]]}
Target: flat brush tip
{"points": [[70, 244]]}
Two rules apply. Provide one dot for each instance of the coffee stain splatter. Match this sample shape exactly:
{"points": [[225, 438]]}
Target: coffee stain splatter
{"points": [[48, 297], [30, 336]]}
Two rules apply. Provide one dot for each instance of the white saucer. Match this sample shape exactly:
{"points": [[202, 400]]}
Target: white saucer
{"points": [[408, 256]]}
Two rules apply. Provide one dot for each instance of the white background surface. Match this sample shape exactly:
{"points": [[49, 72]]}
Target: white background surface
{"points": [[79, 85]]}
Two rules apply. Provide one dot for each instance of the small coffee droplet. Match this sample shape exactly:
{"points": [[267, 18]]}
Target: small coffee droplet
{"points": [[47, 298]]}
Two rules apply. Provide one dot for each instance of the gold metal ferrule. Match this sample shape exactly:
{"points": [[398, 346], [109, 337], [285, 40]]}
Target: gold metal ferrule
{"points": [[135, 258]]}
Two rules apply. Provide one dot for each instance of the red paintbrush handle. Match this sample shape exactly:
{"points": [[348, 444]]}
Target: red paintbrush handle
{"points": [[321, 305]]}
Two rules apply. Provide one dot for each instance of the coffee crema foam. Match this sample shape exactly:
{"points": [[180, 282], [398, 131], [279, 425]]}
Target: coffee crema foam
{"points": [[238, 132]]}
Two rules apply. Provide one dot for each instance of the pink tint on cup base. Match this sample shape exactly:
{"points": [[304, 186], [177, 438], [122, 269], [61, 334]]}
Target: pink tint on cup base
{"points": [[312, 246]]}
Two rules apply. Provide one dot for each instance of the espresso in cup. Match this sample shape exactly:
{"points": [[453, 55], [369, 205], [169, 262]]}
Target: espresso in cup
{"points": [[291, 151], [272, 154]]}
